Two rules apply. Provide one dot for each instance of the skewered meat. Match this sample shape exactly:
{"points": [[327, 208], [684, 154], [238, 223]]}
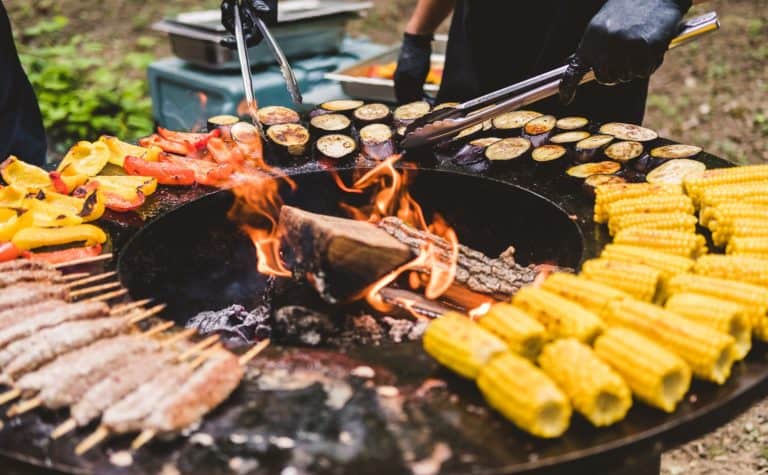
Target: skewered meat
{"points": [[28, 275], [25, 264], [13, 316], [67, 313], [24, 294]]}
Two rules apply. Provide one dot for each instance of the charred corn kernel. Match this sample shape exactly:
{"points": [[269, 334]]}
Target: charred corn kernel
{"points": [[748, 246], [708, 352], [522, 333], [637, 280], [671, 221], [722, 315], [739, 227], [655, 375], [594, 389], [663, 203], [561, 317], [607, 194], [592, 295], [668, 264], [525, 395], [671, 242], [715, 195], [696, 184], [710, 216], [747, 269], [461, 344]]}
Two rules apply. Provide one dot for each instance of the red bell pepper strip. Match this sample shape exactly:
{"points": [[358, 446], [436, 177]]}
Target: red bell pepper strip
{"points": [[206, 172], [166, 172], [118, 203], [221, 152], [8, 252], [170, 146], [199, 141], [58, 183], [65, 255]]}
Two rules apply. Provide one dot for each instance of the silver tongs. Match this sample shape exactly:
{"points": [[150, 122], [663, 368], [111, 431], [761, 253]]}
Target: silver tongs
{"points": [[245, 64], [445, 123]]}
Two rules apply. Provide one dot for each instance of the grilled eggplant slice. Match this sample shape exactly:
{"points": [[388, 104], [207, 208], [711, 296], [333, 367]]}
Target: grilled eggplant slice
{"points": [[587, 149], [539, 129], [222, 122], [512, 123], [275, 115], [289, 140], [623, 131], [508, 149], [377, 142], [334, 148], [342, 106], [670, 152], [673, 172], [407, 113], [329, 124], [372, 114], [474, 151], [445, 105], [548, 153], [569, 137], [593, 181], [624, 151], [597, 168], [244, 133], [572, 123]]}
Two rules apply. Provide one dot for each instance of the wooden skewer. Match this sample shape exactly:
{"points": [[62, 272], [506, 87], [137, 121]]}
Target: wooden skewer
{"points": [[158, 329], [84, 260], [24, 406], [70, 277], [117, 309], [205, 355], [92, 440], [89, 279], [94, 289], [177, 337], [253, 352], [145, 436], [107, 296], [149, 313], [200, 345], [9, 395], [64, 428]]}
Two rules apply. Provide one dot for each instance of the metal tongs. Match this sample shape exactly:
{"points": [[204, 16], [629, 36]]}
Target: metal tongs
{"points": [[245, 64], [445, 123]]}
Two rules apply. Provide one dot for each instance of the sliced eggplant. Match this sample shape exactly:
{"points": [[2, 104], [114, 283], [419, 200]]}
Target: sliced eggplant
{"points": [[445, 105], [474, 151], [342, 106], [572, 123], [335, 147], [593, 181], [372, 114], [538, 130], [223, 122], [624, 131], [274, 115], [377, 142], [508, 149], [470, 132], [548, 153], [513, 122], [289, 140], [624, 151], [407, 113], [597, 168], [670, 152], [244, 133], [329, 124], [587, 149], [673, 172], [569, 137]]}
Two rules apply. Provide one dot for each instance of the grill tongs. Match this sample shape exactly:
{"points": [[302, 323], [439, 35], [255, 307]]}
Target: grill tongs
{"points": [[445, 123]]}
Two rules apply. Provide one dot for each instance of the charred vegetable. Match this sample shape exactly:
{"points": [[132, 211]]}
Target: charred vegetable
{"points": [[539, 129], [508, 149], [445, 105], [587, 149], [342, 106], [624, 151], [598, 168], [513, 122], [290, 140], [329, 124], [377, 142], [572, 123], [275, 115], [569, 137], [668, 152], [244, 133], [474, 151], [593, 181], [372, 114], [673, 172], [222, 122], [335, 147], [548, 153], [407, 113], [631, 132]]}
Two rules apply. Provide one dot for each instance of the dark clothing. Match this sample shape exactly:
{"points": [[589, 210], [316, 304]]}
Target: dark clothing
{"points": [[493, 44], [21, 125]]}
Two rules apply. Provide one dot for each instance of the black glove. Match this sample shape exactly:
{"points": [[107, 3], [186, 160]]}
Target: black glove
{"points": [[250, 10], [626, 40], [413, 67]]}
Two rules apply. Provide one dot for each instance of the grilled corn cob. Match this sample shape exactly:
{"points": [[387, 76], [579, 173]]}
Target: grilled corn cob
{"points": [[607, 194], [663, 203], [695, 184], [668, 264], [525, 395], [722, 315], [711, 216], [747, 269], [562, 318], [748, 246], [637, 280], [671, 221], [670, 242], [739, 227], [752, 297], [592, 295], [522, 333], [461, 344], [745, 192], [655, 375], [708, 352], [594, 389]]}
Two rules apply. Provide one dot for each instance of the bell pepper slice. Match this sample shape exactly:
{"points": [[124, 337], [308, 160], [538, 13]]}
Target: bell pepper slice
{"points": [[8, 251], [85, 158], [124, 184], [118, 150], [206, 172], [34, 237], [170, 146], [166, 172], [46, 215], [197, 140], [6, 214], [66, 184], [13, 225], [12, 196], [64, 255], [16, 172], [88, 205]]}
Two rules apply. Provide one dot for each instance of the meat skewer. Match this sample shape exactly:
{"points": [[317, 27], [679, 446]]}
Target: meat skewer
{"points": [[38, 264], [50, 276], [57, 316], [13, 316], [28, 293], [84, 260]]}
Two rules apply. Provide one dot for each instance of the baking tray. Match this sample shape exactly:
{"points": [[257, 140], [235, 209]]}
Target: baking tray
{"points": [[354, 82]]}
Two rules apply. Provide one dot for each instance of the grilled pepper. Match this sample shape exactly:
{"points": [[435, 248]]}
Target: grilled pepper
{"points": [[124, 193], [64, 255], [118, 150], [8, 252], [23, 175], [89, 205], [206, 173], [169, 146], [197, 140], [85, 158], [166, 173], [66, 184], [12, 196], [34, 237]]}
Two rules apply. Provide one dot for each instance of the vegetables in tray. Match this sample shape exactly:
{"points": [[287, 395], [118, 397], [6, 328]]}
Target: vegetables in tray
{"points": [[387, 71]]}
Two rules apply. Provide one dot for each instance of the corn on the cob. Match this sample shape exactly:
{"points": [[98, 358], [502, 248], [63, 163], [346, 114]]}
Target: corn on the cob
{"points": [[461, 344], [592, 295], [594, 389], [637, 280], [752, 297], [655, 375], [663, 203], [747, 192], [708, 352], [748, 246], [671, 221], [668, 264], [695, 184], [739, 227], [522, 333], [607, 194], [525, 395], [722, 315], [562, 318], [671, 242], [747, 269], [710, 216]]}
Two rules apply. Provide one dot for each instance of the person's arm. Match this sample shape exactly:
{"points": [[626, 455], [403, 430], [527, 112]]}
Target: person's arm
{"points": [[428, 15]]}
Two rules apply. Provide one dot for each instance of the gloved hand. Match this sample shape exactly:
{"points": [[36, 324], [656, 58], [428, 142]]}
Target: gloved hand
{"points": [[413, 67], [625, 40], [250, 10]]}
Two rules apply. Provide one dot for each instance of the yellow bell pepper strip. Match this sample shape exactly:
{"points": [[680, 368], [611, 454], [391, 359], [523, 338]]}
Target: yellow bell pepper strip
{"points": [[46, 215], [8, 251], [12, 196], [6, 214], [64, 255], [124, 193], [118, 150], [13, 225], [88, 204], [16, 172], [34, 237], [85, 158], [66, 184]]}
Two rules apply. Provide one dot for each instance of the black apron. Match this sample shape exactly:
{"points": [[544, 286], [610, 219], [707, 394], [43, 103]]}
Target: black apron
{"points": [[21, 125], [495, 43]]}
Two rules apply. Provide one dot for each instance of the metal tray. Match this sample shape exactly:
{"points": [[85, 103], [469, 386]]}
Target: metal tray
{"points": [[354, 82]]}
